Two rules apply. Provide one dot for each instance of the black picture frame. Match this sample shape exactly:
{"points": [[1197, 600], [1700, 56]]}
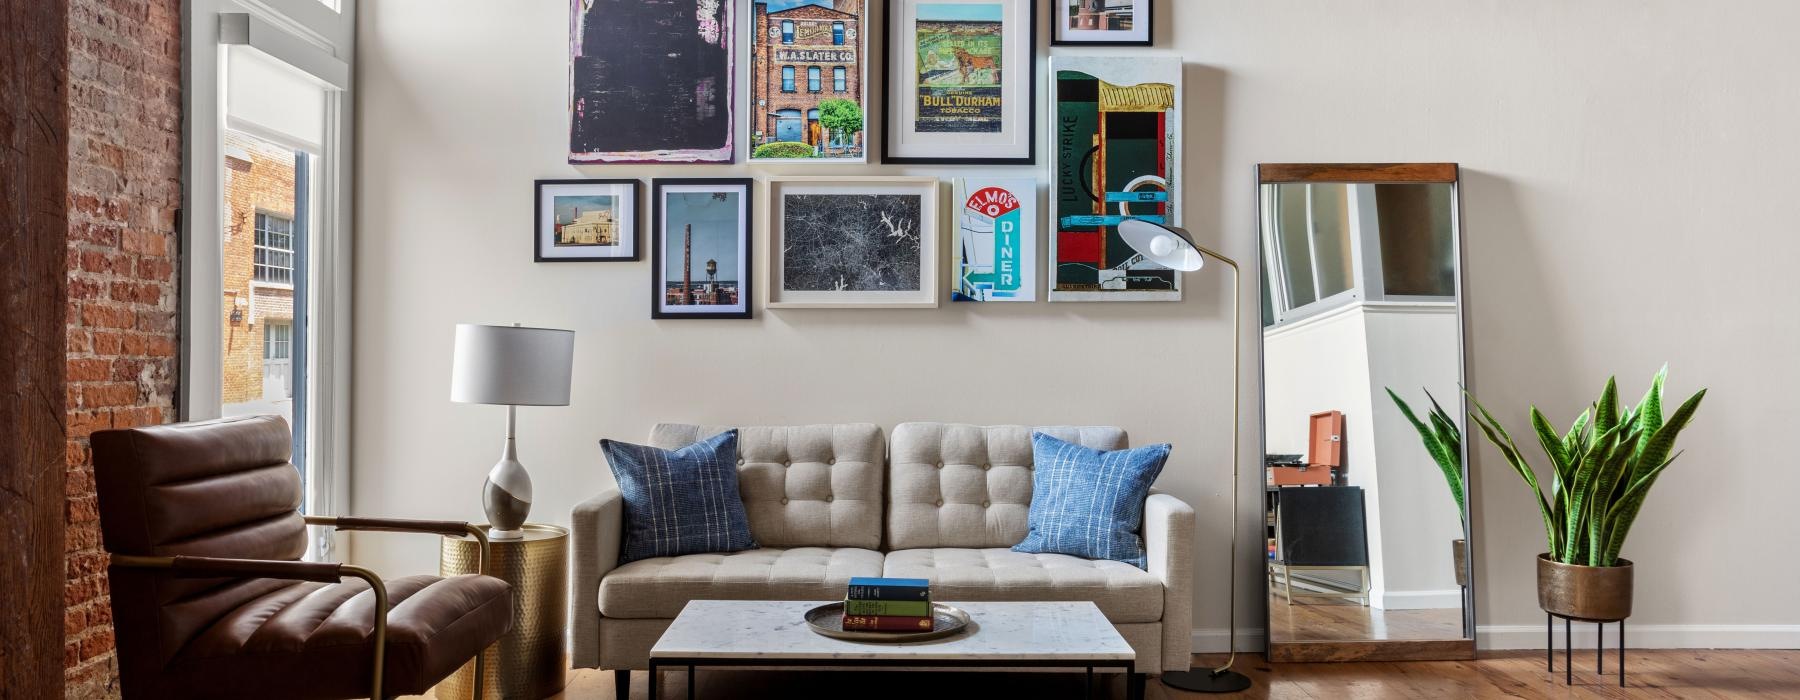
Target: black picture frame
{"points": [[887, 96], [1149, 29], [537, 217], [747, 250]]}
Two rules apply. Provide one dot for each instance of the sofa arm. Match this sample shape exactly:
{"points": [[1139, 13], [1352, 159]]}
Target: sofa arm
{"points": [[1169, 547], [597, 528]]}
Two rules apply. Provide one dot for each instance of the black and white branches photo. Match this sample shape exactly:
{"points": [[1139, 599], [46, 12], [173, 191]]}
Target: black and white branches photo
{"points": [[851, 242]]}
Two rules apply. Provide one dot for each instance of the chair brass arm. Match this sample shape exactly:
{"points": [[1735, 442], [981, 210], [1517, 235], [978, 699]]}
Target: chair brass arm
{"points": [[325, 572], [447, 528]]}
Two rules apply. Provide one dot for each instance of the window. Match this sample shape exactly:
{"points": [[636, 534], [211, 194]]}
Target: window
{"points": [[787, 78], [1328, 245], [837, 33], [274, 249], [787, 31], [812, 79], [278, 338], [840, 79]]}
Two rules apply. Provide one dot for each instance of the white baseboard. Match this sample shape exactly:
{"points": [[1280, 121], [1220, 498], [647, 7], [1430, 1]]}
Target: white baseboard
{"points": [[1645, 636], [1212, 640], [1420, 600]]}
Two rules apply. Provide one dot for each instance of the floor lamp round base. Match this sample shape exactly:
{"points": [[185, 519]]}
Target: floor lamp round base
{"points": [[1205, 680]]}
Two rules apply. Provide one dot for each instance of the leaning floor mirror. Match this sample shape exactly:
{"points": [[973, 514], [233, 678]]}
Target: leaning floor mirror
{"points": [[1362, 362]]}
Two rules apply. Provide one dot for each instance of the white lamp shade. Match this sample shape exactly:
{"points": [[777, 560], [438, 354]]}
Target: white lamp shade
{"points": [[511, 366], [1167, 246]]}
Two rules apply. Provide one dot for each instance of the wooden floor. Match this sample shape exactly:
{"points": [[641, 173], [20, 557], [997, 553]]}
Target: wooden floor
{"points": [[1651, 674], [1339, 619]]}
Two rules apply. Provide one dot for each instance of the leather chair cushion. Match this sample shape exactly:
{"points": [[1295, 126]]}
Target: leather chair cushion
{"points": [[315, 639], [1123, 592]]}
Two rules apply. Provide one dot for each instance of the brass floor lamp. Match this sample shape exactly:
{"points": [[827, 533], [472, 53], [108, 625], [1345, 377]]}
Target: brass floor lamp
{"points": [[1174, 248]]}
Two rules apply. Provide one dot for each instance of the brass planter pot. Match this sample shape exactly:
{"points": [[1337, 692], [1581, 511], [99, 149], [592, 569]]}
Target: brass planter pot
{"points": [[1459, 555], [1592, 593]]}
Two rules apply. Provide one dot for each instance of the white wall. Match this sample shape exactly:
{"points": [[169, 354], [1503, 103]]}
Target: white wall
{"points": [[1627, 201]]}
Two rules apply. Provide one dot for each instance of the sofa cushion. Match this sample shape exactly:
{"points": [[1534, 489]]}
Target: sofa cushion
{"points": [[1090, 503], [681, 501], [661, 587], [1123, 592], [805, 485], [956, 485]]}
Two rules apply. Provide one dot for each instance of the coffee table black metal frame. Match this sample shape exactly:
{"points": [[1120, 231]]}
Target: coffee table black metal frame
{"points": [[1134, 682]]}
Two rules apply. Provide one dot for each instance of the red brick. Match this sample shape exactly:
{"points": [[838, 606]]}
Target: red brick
{"points": [[110, 394], [84, 289], [103, 316], [145, 242], [84, 423], [89, 370], [82, 510], [136, 292]]}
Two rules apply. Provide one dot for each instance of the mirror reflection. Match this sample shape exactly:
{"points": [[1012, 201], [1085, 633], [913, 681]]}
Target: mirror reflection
{"points": [[1365, 522]]}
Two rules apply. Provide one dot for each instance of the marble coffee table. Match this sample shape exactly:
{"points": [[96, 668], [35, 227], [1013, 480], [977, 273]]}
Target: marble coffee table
{"points": [[774, 634]]}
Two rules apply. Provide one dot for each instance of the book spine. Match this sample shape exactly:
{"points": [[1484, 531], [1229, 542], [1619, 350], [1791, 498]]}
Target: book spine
{"points": [[888, 593], [900, 608], [887, 623]]}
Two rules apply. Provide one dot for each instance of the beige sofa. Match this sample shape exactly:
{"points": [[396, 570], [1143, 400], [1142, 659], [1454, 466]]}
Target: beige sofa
{"points": [[828, 502]]}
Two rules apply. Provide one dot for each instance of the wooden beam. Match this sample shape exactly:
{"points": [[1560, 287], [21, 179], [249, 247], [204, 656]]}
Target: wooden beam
{"points": [[34, 239]]}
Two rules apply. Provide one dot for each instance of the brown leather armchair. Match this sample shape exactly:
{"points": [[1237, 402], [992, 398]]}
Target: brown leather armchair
{"points": [[210, 599]]}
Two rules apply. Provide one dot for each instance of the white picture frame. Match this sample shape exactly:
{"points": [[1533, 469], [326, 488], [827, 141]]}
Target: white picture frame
{"points": [[803, 218]]}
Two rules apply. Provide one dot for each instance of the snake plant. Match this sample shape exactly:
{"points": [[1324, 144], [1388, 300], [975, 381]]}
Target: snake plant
{"points": [[1443, 441], [1604, 467]]}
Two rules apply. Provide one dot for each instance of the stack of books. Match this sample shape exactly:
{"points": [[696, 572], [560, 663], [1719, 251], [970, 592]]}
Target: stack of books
{"points": [[888, 605]]}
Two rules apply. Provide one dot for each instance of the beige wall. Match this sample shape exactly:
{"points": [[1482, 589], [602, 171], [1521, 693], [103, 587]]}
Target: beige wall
{"points": [[1627, 201]]}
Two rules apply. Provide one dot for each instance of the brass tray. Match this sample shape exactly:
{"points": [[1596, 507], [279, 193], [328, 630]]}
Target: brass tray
{"points": [[828, 620]]}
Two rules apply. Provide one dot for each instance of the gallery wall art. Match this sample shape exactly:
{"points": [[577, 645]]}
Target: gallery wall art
{"points": [[853, 242], [807, 75], [993, 250], [1117, 156], [700, 248], [1101, 22], [680, 109], [960, 82], [585, 220]]}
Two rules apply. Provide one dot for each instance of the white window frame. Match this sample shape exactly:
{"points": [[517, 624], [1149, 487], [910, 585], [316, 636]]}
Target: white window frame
{"points": [[317, 39], [1367, 283]]}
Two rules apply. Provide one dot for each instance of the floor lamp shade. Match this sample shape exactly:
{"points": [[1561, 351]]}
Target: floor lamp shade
{"points": [[510, 366]]}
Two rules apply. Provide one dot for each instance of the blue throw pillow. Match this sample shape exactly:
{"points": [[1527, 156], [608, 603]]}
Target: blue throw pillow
{"points": [[1089, 503], [680, 501]]}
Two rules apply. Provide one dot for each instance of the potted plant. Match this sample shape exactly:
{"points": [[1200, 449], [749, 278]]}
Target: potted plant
{"points": [[1443, 441], [1604, 467]]}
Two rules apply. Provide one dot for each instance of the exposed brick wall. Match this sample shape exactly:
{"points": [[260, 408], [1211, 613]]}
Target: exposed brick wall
{"points": [[124, 189]]}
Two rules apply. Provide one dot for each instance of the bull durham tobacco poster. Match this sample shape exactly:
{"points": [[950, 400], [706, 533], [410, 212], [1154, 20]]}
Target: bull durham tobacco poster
{"points": [[651, 81], [959, 81]]}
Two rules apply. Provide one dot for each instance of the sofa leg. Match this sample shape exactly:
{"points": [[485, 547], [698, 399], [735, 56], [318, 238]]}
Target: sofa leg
{"points": [[622, 683]]}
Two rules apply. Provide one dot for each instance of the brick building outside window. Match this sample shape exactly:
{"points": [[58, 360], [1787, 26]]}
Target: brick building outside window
{"points": [[260, 243]]}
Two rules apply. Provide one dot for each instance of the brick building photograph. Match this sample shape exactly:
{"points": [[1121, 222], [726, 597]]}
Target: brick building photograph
{"points": [[806, 79]]}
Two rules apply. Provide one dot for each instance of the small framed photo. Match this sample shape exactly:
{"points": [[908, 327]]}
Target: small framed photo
{"points": [[1101, 23], [700, 248], [853, 242], [960, 80], [585, 221]]}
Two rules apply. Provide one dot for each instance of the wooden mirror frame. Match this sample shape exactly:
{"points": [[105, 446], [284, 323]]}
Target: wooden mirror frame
{"points": [[1371, 650]]}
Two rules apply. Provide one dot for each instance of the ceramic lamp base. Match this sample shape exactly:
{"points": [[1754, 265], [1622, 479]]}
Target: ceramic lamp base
{"points": [[497, 534]]}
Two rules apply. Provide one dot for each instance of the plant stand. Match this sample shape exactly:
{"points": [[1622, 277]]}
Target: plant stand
{"points": [[1569, 647]]}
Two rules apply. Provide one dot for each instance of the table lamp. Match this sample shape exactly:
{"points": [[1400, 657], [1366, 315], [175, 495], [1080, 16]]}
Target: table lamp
{"points": [[1175, 248], [510, 366]]}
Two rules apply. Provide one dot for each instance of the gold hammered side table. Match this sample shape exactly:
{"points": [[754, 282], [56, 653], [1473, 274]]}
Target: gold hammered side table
{"points": [[528, 663]]}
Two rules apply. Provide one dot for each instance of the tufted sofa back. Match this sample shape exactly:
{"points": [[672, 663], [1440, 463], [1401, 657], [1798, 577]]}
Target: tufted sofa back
{"points": [[803, 485], [954, 485]]}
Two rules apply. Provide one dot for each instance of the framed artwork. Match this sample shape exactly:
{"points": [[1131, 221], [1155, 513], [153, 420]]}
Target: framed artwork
{"points": [[1117, 157], [1101, 22], [585, 221], [676, 109], [807, 71], [959, 79], [700, 248], [993, 250], [853, 242]]}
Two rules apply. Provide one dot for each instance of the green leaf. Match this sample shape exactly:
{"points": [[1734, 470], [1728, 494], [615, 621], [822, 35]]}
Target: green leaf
{"points": [[1606, 483], [1447, 457], [1496, 435], [1606, 411], [1650, 412], [1581, 494], [1624, 513]]}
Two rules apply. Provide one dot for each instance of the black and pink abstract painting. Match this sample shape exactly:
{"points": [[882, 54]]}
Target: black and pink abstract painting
{"points": [[651, 81]]}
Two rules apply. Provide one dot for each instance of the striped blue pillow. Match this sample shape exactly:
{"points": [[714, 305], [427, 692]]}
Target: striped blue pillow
{"points": [[1089, 503], [680, 501]]}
